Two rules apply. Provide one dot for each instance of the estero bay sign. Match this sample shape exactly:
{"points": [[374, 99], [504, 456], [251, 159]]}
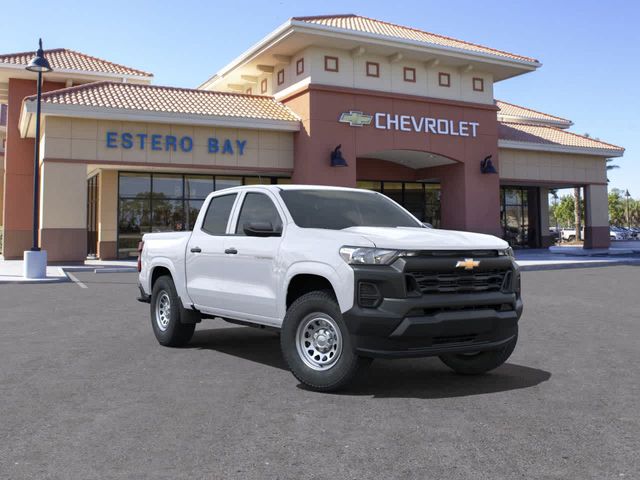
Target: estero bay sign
{"points": [[171, 143], [411, 123]]}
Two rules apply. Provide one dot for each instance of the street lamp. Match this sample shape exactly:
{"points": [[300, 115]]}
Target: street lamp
{"points": [[35, 260], [627, 195]]}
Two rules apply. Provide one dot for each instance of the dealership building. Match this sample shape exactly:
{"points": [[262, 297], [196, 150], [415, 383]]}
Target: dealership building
{"points": [[409, 113]]}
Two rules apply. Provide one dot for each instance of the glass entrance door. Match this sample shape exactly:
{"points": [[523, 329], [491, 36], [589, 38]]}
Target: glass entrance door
{"points": [[92, 217], [519, 216]]}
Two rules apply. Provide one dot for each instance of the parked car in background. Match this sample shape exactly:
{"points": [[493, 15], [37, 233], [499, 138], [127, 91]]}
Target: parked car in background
{"points": [[569, 234], [618, 233]]}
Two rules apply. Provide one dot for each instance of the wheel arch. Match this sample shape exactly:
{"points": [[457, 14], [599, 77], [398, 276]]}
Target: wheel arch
{"points": [[304, 277]]}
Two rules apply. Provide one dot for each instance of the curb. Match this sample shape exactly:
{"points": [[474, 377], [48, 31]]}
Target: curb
{"points": [[116, 270]]}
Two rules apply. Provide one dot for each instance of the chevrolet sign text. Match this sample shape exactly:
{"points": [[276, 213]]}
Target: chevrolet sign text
{"points": [[438, 126]]}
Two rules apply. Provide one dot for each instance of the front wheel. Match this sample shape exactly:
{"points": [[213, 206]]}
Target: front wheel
{"points": [[166, 309], [479, 362], [316, 344]]}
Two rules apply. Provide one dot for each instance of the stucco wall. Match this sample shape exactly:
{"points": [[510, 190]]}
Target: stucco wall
{"points": [[85, 140], [551, 167], [352, 73]]}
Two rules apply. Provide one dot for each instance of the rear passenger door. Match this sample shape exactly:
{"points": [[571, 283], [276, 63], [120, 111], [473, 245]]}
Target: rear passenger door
{"points": [[205, 274], [252, 269]]}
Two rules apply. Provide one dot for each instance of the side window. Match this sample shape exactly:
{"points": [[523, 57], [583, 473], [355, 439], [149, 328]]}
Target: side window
{"points": [[258, 207], [217, 217]]}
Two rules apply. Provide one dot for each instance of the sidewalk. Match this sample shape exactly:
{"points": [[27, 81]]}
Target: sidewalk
{"points": [[11, 270], [543, 259], [556, 258]]}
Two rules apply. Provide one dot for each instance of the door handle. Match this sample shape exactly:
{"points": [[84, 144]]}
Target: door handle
{"points": [[196, 250], [231, 251]]}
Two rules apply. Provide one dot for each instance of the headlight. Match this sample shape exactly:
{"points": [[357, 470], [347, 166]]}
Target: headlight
{"points": [[506, 253], [368, 256]]}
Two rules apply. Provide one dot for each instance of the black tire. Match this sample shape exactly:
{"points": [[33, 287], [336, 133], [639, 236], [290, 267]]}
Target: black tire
{"points": [[321, 305], [169, 331], [481, 362]]}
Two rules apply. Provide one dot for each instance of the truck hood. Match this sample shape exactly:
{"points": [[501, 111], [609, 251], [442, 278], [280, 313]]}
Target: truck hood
{"points": [[408, 238]]}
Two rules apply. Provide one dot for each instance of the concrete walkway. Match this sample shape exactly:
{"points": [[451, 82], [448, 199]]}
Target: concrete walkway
{"points": [[11, 270], [545, 260]]}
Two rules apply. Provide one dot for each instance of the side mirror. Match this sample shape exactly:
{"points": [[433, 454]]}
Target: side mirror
{"points": [[427, 225], [261, 229]]}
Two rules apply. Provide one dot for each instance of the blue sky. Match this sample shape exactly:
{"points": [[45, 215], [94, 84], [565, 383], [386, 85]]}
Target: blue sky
{"points": [[589, 49]]}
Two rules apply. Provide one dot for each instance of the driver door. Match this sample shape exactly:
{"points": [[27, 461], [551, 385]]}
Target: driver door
{"points": [[251, 265]]}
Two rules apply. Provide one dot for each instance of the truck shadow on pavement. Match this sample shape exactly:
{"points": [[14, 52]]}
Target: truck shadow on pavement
{"points": [[425, 378]]}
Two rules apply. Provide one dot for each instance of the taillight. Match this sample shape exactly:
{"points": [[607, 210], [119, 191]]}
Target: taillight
{"points": [[140, 247]]}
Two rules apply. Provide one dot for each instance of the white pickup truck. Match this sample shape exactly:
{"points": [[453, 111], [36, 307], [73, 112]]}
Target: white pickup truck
{"points": [[345, 275]]}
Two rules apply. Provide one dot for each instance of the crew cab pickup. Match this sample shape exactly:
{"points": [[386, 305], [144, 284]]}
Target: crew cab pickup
{"points": [[344, 275]]}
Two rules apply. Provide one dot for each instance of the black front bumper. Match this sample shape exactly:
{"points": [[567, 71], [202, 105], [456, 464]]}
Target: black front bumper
{"points": [[407, 323]]}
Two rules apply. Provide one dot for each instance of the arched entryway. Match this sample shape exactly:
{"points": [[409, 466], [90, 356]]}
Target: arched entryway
{"points": [[410, 177]]}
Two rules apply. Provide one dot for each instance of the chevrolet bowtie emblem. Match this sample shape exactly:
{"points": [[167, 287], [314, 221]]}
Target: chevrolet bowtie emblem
{"points": [[355, 119], [468, 264]]}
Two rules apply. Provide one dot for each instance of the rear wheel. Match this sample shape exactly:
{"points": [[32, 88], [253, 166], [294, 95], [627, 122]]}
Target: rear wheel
{"points": [[479, 362], [166, 310], [316, 344]]}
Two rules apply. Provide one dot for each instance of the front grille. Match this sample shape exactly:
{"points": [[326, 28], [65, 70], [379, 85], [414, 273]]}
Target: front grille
{"points": [[461, 282]]}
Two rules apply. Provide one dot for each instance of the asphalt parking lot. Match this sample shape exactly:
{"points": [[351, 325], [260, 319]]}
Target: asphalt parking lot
{"points": [[87, 393]]}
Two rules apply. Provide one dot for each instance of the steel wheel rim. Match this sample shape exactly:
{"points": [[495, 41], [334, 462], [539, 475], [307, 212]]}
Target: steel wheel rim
{"points": [[163, 311], [319, 341]]}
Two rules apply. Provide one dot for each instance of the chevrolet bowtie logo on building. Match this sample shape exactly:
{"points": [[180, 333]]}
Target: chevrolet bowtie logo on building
{"points": [[355, 119], [468, 264]]}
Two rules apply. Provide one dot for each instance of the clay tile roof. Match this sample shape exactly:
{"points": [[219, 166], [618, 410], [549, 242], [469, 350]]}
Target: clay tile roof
{"points": [[524, 113], [155, 98], [65, 59], [546, 135], [369, 25]]}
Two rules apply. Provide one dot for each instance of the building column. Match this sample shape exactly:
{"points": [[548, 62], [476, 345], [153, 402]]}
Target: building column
{"points": [[546, 240], [596, 221], [108, 214], [468, 200], [63, 211], [18, 174]]}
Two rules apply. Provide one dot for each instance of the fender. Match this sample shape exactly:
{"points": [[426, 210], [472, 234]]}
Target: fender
{"points": [[178, 278], [341, 279]]}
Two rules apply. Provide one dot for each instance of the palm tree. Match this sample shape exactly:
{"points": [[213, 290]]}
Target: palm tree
{"points": [[610, 166]]}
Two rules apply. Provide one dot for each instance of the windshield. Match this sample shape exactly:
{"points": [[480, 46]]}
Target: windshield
{"points": [[338, 209]]}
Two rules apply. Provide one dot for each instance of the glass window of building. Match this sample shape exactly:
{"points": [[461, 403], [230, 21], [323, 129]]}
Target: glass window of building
{"points": [[515, 215], [421, 199], [162, 202], [227, 182]]}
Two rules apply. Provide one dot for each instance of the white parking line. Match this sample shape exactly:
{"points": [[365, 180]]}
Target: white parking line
{"points": [[75, 280]]}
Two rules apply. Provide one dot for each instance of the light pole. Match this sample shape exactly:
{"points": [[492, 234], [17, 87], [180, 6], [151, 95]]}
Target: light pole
{"points": [[628, 195], [35, 260]]}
